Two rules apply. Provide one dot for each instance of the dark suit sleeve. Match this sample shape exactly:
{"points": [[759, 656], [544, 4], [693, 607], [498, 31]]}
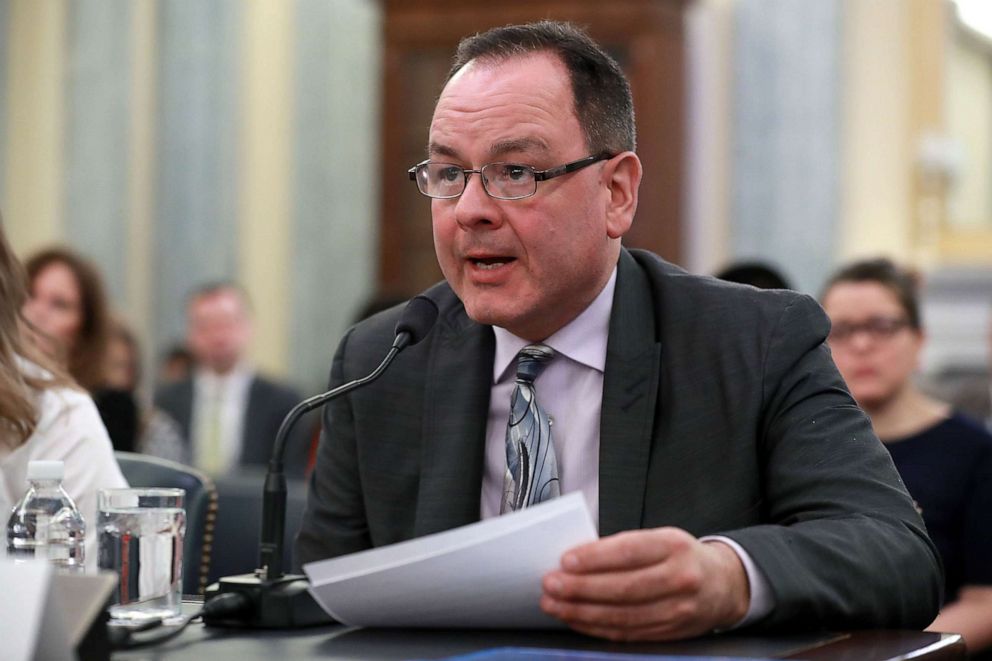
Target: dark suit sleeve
{"points": [[177, 400], [843, 542], [334, 523]]}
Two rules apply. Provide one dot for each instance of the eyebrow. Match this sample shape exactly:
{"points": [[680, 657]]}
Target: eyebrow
{"points": [[496, 150], [435, 149], [519, 145]]}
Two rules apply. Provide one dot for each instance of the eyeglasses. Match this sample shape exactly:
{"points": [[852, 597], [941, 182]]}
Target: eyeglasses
{"points": [[876, 328], [503, 181]]}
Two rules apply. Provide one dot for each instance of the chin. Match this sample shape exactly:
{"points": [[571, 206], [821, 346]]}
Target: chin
{"points": [[511, 316], [871, 400], [486, 315]]}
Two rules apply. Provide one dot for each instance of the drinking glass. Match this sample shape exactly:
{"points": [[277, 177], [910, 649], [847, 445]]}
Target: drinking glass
{"points": [[140, 536]]}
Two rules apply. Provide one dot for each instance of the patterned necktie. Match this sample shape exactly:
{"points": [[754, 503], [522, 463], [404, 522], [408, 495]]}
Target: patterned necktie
{"points": [[531, 467]]}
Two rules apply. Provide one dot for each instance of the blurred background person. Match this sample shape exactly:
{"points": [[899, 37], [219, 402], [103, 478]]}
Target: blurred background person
{"points": [[175, 365], [944, 457], [68, 309], [757, 274], [70, 316], [229, 412], [44, 415], [972, 393], [967, 387], [146, 429]]}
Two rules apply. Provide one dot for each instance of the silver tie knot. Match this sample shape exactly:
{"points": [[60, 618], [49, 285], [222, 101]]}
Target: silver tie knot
{"points": [[531, 361]]}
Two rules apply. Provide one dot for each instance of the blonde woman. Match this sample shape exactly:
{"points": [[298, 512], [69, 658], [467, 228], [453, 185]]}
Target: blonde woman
{"points": [[44, 414]]}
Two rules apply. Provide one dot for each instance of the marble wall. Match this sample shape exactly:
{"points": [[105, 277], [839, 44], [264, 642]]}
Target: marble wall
{"points": [[194, 141], [785, 123]]}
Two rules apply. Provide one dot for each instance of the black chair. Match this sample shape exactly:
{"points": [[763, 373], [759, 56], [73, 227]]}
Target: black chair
{"points": [[201, 508], [240, 499]]}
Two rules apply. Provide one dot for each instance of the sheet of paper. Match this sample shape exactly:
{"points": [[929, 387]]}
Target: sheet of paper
{"points": [[44, 614], [81, 598], [484, 575], [26, 610]]}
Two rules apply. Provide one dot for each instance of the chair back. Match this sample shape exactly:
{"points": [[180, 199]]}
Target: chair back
{"points": [[240, 497], [144, 471]]}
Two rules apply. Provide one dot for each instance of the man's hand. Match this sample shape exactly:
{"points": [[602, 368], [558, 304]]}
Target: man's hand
{"points": [[658, 584]]}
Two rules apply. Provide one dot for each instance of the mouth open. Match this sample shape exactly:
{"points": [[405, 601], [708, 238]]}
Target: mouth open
{"points": [[490, 263]]}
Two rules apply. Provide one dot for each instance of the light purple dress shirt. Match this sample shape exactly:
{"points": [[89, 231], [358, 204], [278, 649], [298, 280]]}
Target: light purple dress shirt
{"points": [[570, 390]]}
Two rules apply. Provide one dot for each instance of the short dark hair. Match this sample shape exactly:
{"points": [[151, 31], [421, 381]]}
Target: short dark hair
{"points": [[902, 282], [756, 274], [216, 287], [600, 91]]}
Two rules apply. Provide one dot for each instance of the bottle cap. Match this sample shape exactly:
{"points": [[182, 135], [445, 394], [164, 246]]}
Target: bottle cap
{"points": [[46, 470]]}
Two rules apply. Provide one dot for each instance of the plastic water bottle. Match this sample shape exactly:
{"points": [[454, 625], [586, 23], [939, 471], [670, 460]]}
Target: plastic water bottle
{"points": [[46, 524]]}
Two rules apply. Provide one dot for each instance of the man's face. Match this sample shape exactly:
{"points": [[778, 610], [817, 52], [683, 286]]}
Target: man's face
{"points": [[218, 330], [530, 265]]}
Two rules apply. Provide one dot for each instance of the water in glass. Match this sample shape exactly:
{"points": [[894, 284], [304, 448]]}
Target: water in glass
{"points": [[145, 547]]}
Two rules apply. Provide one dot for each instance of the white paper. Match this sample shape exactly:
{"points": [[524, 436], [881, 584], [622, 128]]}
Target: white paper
{"points": [[483, 575], [31, 625], [81, 598], [44, 614]]}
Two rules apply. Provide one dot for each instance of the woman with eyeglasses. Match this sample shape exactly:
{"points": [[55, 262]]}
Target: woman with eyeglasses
{"points": [[945, 458]]}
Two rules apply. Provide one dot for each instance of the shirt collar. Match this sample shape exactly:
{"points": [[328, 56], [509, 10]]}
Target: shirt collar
{"points": [[582, 340], [238, 377]]}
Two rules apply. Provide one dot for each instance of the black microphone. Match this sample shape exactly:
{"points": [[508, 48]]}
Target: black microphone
{"points": [[275, 600]]}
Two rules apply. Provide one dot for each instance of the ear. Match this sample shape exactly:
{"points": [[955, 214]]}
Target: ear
{"points": [[622, 176]]}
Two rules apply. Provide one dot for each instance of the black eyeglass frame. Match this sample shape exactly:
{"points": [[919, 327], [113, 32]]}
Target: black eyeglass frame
{"points": [[539, 175], [877, 328]]}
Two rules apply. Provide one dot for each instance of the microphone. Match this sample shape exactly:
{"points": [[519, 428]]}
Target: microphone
{"points": [[271, 599]]}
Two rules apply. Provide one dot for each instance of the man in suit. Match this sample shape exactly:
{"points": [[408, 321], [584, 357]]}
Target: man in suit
{"points": [[229, 412], [733, 478]]}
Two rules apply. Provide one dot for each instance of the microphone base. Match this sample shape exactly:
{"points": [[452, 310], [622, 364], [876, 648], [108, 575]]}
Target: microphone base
{"points": [[283, 603]]}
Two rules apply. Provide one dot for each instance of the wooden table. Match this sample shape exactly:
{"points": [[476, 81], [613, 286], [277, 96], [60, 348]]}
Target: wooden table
{"points": [[339, 642]]}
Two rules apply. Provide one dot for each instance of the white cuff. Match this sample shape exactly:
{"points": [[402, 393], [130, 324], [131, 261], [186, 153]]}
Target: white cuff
{"points": [[762, 601]]}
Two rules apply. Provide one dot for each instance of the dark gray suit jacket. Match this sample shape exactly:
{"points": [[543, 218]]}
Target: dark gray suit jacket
{"points": [[268, 404], [722, 414]]}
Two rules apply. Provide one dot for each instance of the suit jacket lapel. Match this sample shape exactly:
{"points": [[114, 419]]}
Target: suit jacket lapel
{"points": [[630, 390], [456, 408], [253, 449], [182, 410]]}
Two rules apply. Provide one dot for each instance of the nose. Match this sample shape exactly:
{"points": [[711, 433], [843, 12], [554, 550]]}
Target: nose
{"points": [[475, 208], [861, 340]]}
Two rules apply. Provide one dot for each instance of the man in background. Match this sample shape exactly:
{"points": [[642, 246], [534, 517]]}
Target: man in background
{"points": [[227, 409]]}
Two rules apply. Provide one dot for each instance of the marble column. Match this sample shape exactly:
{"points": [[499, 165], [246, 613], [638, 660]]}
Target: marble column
{"points": [[337, 189], [196, 191], [785, 186], [97, 135]]}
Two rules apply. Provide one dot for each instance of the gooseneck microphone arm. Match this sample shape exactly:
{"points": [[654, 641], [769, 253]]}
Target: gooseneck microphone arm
{"points": [[416, 321], [267, 598], [274, 499]]}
